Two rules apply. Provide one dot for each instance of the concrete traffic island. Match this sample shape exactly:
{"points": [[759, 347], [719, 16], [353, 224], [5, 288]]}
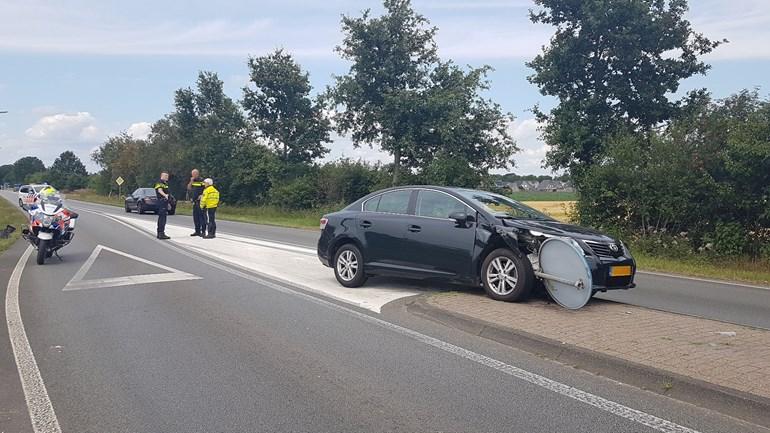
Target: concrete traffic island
{"points": [[713, 364]]}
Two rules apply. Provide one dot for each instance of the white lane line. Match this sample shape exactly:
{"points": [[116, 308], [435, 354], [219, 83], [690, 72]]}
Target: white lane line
{"points": [[703, 280], [596, 401], [39, 405]]}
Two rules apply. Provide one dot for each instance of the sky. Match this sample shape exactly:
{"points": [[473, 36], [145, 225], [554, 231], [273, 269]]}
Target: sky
{"points": [[74, 73]]}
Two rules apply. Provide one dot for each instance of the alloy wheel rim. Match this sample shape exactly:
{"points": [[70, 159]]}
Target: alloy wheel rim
{"points": [[502, 276], [347, 265]]}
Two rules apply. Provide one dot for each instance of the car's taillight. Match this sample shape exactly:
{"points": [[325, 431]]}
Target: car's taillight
{"points": [[324, 220]]}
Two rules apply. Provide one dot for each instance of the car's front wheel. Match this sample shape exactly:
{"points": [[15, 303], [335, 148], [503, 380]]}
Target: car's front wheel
{"points": [[349, 266], [507, 276]]}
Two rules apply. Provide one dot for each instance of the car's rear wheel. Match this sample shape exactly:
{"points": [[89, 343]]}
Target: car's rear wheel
{"points": [[507, 276], [140, 208], [349, 266], [128, 209]]}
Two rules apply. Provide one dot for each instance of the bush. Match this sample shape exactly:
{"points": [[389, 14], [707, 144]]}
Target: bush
{"points": [[450, 171], [300, 193], [664, 244], [346, 181], [729, 239], [706, 173]]}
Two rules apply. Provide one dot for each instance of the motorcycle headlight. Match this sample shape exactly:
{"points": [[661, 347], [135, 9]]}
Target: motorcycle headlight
{"points": [[48, 220]]}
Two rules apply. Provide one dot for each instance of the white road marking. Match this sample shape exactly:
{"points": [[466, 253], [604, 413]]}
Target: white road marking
{"points": [[39, 405], [634, 415], [77, 282], [293, 265]]}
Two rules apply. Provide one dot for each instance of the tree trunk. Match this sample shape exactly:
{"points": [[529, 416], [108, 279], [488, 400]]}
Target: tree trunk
{"points": [[396, 165]]}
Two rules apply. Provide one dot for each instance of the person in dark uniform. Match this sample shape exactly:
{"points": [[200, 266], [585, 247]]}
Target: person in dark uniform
{"points": [[195, 186], [161, 192]]}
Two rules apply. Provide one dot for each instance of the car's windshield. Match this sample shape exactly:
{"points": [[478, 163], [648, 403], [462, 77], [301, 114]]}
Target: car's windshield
{"points": [[501, 206]]}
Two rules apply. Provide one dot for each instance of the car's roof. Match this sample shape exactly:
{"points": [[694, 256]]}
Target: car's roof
{"points": [[34, 185]]}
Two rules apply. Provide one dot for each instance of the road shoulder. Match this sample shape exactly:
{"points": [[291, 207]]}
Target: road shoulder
{"points": [[14, 416], [502, 322]]}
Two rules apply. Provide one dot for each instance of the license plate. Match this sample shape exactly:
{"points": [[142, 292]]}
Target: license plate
{"points": [[620, 271]]}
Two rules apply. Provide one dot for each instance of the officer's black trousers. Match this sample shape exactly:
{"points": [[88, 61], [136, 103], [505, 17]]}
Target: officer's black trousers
{"points": [[210, 223], [198, 218], [162, 213]]}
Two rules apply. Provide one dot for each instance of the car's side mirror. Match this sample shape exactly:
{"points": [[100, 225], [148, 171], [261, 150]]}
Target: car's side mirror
{"points": [[461, 218]]}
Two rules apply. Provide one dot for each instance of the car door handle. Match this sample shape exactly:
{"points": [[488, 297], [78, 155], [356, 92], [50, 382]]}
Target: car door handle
{"points": [[414, 229], [365, 224]]}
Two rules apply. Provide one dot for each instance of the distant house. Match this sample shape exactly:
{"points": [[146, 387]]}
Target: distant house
{"points": [[549, 186]]}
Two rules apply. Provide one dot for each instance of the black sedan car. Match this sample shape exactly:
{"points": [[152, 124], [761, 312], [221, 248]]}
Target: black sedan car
{"points": [[145, 200], [463, 235]]}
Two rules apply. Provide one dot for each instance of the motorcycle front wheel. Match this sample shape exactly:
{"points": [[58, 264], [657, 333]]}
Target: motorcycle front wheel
{"points": [[42, 249]]}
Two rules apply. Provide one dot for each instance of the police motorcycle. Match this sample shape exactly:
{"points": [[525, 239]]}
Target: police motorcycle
{"points": [[51, 225]]}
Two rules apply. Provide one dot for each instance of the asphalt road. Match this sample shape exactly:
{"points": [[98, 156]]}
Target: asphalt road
{"points": [[734, 303], [225, 349]]}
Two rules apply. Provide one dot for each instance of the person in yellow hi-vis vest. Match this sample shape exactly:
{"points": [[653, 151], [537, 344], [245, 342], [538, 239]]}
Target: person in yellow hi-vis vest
{"points": [[209, 202]]}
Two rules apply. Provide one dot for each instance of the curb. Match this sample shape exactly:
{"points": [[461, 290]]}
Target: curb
{"points": [[737, 404]]}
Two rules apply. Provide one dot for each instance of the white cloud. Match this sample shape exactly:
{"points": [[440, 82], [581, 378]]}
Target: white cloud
{"points": [[525, 132], [139, 130], [342, 147], [64, 127], [484, 29], [745, 23], [54, 27], [533, 149]]}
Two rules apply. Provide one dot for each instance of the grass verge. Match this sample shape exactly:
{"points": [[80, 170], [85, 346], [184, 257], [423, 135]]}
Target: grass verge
{"points": [[267, 215], [10, 214], [730, 269]]}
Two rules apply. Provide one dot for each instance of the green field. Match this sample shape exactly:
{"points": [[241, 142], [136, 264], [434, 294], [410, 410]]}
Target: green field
{"points": [[10, 214], [543, 196]]}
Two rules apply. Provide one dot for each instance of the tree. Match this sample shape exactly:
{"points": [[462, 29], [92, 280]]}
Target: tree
{"points": [[612, 64], [282, 111], [6, 173], [27, 166], [391, 57], [460, 134], [205, 127], [68, 172], [121, 156]]}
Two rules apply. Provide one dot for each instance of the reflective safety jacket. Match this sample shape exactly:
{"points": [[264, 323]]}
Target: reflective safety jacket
{"points": [[162, 185], [196, 188], [210, 198]]}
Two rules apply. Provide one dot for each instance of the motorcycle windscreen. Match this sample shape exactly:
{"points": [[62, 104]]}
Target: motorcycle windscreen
{"points": [[563, 258]]}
